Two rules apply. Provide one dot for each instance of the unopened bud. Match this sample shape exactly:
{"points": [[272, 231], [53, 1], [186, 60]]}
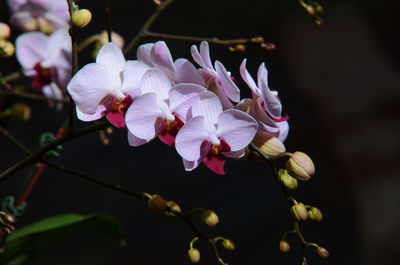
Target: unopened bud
{"points": [[284, 246], [172, 205], [157, 204], [20, 112], [7, 49], [288, 181], [319, 21], [210, 218], [81, 18], [319, 9], [116, 38], [194, 255], [228, 244], [270, 146], [310, 10], [5, 31], [322, 252], [269, 46], [258, 39], [315, 214], [240, 48], [300, 166], [299, 212]]}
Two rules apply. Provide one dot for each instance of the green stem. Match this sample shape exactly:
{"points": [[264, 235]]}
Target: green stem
{"points": [[31, 96], [87, 42], [107, 19]]}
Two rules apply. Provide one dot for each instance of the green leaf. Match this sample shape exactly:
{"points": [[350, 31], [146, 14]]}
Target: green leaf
{"points": [[25, 242]]}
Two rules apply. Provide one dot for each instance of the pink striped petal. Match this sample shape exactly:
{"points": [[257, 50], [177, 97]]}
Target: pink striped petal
{"points": [[186, 72], [272, 103], [225, 81], [205, 54], [249, 80], [143, 53], [208, 106], [110, 56], [155, 81], [236, 128], [162, 59], [135, 141], [99, 113], [181, 98]]}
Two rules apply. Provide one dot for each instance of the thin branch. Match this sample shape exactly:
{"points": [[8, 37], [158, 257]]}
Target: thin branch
{"points": [[4, 80], [31, 96], [134, 42], [107, 19]]}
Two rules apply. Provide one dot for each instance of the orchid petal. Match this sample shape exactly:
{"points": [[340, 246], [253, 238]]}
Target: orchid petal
{"points": [[283, 130], [236, 128], [132, 76], [190, 165], [192, 139], [110, 56], [99, 113], [225, 81], [244, 105], [155, 81], [161, 58], [199, 59], [181, 98], [272, 103], [205, 54], [143, 117], [186, 72], [143, 53], [135, 141], [248, 79], [236, 154], [31, 49], [89, 87], [208, 106], [24, 20]]}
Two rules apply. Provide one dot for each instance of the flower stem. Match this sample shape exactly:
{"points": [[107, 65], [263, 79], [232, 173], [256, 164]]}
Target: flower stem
{"points": [[107, 19]]}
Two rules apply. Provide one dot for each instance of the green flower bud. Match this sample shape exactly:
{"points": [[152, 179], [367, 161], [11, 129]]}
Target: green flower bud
{"points": [[7, 49], [172, 205], [315, 214], [228, 244], [157, 204], [194, 255], [270, 146], [284, 246], [322, 252], [300, 166], [287, 180], [299, 212], [20, 112], [5, 31], [81, 18], [210, 218]]}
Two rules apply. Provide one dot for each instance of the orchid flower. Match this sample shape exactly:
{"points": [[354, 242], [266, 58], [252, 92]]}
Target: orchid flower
{"points": [[44, 15], [161, 110], [47, 59], [218, 79], [265, 106], [106, 87], [213, 134], [158, 55]]}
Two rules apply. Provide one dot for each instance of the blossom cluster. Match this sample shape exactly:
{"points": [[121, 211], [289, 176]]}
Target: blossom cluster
{"points": [[189, 108]]}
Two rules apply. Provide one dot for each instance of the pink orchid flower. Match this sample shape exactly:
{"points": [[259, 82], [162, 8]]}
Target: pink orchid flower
{"points": [[265, 106], [212, 134], [161, 110], [158, 55], [218, 79], [43, 15], [47, 59], [106, 87]]}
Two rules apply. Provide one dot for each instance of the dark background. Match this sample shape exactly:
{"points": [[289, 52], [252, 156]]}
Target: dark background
{"points": [[338, 83]]}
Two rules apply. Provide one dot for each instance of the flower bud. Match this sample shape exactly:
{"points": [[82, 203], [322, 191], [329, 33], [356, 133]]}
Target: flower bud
{"points": [[20, 112], [270, 146], [228, 244], [300, 166], [5, 31], [288, 181], [322, 252], [194, 255], [116, 38], [284, 246], [7, 49], [157, 204], [299, 212], [172, 205], [210, 218], [315, 214], [81, 18], [240, 48]]}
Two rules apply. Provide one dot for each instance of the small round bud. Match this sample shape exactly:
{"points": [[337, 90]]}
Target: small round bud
{"points": [[299, 212], [322, 252], [172, 205], [194, 255], [228, 244], [240, 48], [7, 49], [319, 9], [315, 214], [269, 46], [284, 246], [210, 218], [157, 204], [270, 146], [288, 181], [81, 18], [310, 10], [300, 166], [20, 112], [5, 31]]}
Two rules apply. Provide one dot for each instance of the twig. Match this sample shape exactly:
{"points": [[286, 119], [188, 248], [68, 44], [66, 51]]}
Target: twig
{"points": [[9, 78], [107, 19], [31, 96], [133, 43]]}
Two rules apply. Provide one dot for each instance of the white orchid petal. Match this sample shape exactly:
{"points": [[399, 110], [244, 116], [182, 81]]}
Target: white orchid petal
{"points": [[31, 49], [208, 106], [110, 56], [155, 81]]}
